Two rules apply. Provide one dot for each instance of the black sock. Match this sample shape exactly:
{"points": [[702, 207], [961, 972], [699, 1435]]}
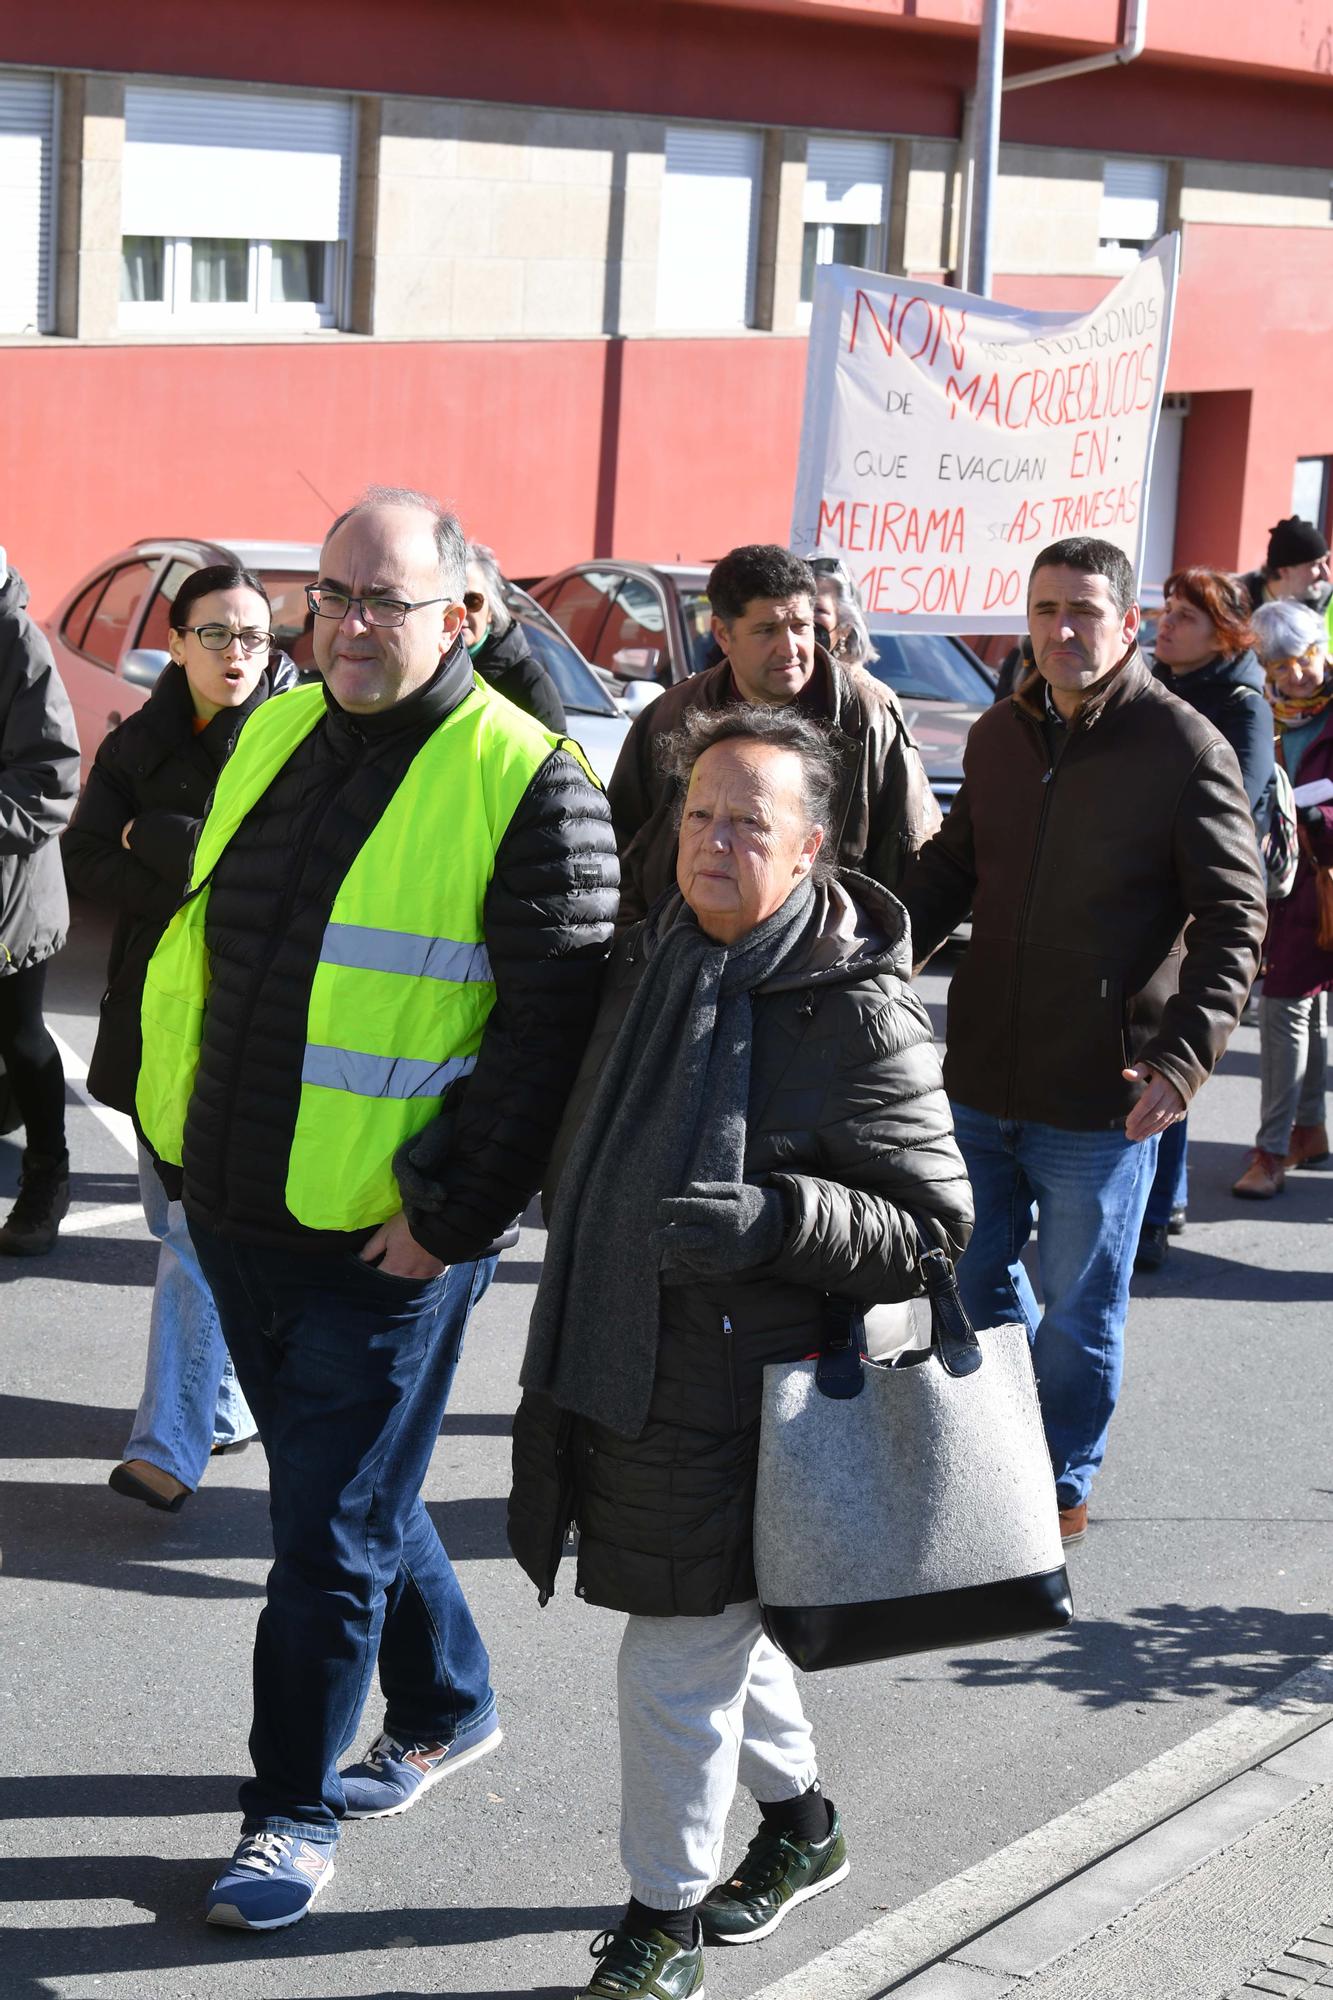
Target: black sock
{"points": [[808, 1818], [681, 1926]]}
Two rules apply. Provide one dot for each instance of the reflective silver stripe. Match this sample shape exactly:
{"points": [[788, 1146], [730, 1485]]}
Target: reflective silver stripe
{"points": [[374, 950], [380, 1076]]}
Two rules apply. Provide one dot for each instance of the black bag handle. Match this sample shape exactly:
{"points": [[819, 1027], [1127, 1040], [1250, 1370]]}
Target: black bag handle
{"points": [[839, 1371]]}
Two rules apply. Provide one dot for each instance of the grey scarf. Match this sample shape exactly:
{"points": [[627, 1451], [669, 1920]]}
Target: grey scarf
{"points": [[669, 1108]]}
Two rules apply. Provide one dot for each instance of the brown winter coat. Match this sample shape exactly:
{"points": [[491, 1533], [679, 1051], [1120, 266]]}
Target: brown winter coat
{"points": [[884, 809], [1080, 877]]}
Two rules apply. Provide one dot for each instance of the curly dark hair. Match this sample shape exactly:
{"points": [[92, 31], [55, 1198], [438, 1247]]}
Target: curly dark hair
{"points": [[757, 569], [786, 729]]}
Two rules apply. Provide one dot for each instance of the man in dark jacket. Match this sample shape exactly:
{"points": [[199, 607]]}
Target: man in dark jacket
{"points": [[360, 1030], [1097, 816], [763, 619], [39, 782]]}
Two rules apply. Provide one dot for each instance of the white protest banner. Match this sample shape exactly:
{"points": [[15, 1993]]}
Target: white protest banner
{"points": [[947, 438]]}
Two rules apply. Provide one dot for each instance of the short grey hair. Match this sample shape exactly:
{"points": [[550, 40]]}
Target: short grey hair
{"points": [[1284, 628], [785, 729], [450, 541], [482, 558], [855, 648]]}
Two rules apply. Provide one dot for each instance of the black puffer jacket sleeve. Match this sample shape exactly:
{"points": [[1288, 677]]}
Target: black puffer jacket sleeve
{"points": [[548, 921], [97, 865], [886, 1137]]}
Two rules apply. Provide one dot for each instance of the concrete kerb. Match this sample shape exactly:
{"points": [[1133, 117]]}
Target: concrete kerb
{"points": [[932, 1927]]}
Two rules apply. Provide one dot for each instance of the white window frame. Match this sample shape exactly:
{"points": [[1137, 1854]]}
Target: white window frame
{"points": [[1133, 211], [40, 89], [748, 143], [176, 310], [841, 154]]}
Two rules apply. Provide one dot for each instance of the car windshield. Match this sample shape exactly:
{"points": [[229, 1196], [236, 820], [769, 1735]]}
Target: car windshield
{"points": [[930, 666], [577, 685]]}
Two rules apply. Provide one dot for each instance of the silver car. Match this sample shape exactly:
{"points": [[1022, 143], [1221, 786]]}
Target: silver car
{"points": [[109, 635]]}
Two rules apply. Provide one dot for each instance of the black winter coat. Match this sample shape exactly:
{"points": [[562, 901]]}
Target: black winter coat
{"points": [[546, 925], [848, 1117], [507, 665], [1230, 692], [155, 771], [39, 782]]}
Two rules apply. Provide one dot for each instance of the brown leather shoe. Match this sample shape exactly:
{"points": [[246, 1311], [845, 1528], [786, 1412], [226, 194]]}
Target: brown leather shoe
{"points": [[1309, 1146], [1073, 1523], [138, 1479], [1264, 1177]]}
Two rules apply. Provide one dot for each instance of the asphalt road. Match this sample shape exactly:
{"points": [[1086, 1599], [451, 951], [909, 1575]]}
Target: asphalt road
{"points": [[126, 1634]]}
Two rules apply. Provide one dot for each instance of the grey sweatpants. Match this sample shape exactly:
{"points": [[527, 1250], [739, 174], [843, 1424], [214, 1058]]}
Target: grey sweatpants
{"points": [[1293, 1058], [704, 1703]]}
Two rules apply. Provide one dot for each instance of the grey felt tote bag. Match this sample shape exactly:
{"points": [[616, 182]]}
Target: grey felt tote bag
{"points": [[906, 1507]]}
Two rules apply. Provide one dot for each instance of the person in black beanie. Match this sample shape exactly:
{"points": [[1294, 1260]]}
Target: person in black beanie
{"points": [[1296, 566]]}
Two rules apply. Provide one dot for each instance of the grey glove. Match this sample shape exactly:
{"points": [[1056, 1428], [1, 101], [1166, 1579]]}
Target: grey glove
{"points": [[719, 1227]]}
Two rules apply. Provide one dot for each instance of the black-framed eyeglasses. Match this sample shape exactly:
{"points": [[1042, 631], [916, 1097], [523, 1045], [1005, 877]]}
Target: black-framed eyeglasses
{"points": [[220, 638], [327, 603]]}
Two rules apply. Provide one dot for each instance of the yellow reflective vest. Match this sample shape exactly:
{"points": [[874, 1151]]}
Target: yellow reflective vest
{"points": [[403, 986]]}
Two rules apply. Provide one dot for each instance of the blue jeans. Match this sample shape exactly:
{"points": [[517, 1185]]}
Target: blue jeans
{"points": [[348, 1372], [191, 1399], [1170, 1184], [1091, 1189]]}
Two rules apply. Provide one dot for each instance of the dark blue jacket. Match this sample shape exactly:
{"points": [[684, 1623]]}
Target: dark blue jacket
{"points": [[1230, 693]]}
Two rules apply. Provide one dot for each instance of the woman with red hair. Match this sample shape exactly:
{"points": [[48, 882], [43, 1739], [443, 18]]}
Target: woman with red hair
{"points": [[1204, 653]]}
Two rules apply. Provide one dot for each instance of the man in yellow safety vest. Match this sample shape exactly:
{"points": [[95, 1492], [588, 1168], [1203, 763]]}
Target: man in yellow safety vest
{"points": [[359, 1033]]}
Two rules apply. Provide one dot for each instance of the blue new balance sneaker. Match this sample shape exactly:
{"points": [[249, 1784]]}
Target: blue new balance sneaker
{"points": [[271, 1880], [394, 1775]]}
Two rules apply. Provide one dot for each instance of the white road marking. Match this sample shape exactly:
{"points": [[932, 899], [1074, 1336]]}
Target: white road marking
{"points": [[117, 1124], [80, 1219]]}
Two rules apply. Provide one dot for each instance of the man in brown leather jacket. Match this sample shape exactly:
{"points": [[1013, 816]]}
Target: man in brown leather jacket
{"points": [[763, 619], [1098, 816]]}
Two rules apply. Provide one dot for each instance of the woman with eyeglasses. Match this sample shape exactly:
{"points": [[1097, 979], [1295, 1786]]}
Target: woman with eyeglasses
{"points": [[129, 848], [499, 646]]}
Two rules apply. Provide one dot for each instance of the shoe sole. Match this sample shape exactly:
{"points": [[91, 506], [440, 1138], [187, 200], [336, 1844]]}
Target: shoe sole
{"points": [[1072, 1541], [445, 1770], [130, 1488], [228, 1917], [1255, 1194], [766, 1930]]}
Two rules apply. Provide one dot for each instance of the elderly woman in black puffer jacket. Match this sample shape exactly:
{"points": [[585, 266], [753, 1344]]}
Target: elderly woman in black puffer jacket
{"points": [[759, 1123]]}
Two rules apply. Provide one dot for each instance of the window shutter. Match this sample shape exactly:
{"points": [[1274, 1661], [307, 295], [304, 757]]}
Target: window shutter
{"points": [[1133, 198], [27, 124], [710, 219], [236, 163], [845, 180]]}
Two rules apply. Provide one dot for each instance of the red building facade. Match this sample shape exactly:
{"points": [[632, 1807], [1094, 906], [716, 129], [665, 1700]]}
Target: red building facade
{"points": [[504, 234]]}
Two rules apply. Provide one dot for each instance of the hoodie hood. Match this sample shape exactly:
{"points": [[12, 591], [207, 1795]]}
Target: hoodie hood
{"points": [[1228, 670], [856, 930]]}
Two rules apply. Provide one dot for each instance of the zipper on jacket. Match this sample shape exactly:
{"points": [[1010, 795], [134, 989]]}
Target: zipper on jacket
{"points": [[729, 1336], [279, 934], [1047, 790]]}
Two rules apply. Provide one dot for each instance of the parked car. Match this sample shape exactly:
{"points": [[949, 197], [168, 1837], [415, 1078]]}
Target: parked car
{"points": [[646, 625], [109, 635]]}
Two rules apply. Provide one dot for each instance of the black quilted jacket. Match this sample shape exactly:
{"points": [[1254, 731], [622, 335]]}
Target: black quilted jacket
{"points": [[848, 1116], [547, 928], [155, 771]]}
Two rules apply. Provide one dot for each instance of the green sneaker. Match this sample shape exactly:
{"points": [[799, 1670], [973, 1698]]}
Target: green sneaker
{"points": [[656, 1968], [776, 1874]]}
